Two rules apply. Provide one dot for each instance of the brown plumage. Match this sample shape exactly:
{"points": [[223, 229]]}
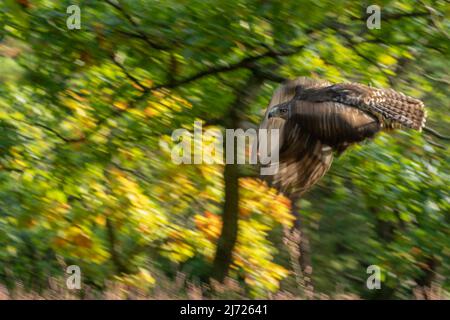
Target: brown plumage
{"points": [[316, 118]]}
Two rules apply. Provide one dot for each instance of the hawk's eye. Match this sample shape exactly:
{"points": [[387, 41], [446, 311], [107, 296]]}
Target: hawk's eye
{"points": [[283, 110]]}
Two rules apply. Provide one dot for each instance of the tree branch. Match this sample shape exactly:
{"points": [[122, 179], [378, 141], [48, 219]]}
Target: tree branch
{"points": [[441, 80], [394, 16], [131, 20], [352, 46], [54, 132], [435, 133], [128, 75], [247, 62], [438, 145]]}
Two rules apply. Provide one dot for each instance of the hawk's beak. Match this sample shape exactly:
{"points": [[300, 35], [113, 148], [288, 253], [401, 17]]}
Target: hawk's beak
{"points": [[270, 115]]}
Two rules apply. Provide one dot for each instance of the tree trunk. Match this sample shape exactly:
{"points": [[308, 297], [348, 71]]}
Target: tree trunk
{"points": [[304, 257], [115, 256], [425, 280], [229, 232], [228, 236]]}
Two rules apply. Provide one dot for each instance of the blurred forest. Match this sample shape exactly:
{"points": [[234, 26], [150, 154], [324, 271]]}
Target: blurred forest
{"points": [[86, 176]]}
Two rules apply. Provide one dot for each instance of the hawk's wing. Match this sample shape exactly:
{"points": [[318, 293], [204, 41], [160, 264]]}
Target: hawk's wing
{"points": [[334, 124], [393, 108]]}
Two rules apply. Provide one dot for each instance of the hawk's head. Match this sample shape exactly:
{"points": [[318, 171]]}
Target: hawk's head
{"points": [[280, 111]]}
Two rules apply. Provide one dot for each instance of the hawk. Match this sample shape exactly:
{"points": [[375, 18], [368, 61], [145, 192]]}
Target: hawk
{"points": [[317, 119]]}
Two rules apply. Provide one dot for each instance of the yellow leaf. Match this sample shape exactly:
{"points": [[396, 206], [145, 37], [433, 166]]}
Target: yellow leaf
{"points": [[120, 105], [387, 60]]}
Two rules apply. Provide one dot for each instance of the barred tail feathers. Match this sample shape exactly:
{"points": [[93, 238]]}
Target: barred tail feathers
{"points": [[394, 107], [398, 107]]}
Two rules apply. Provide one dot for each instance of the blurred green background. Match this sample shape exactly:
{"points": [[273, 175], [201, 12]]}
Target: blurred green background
{"points": [[86, 177]]}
